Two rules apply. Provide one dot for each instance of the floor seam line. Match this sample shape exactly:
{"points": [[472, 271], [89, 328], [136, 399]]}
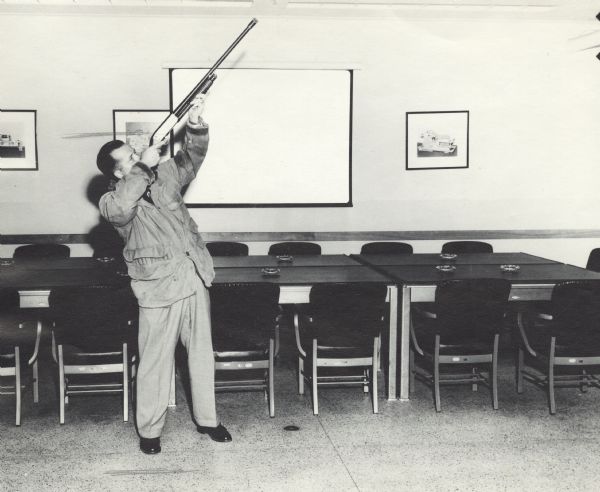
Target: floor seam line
{"points": [[338, 453]]}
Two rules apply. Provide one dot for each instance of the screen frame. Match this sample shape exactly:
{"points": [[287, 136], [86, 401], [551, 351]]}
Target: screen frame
{"points": [[347, 203]]}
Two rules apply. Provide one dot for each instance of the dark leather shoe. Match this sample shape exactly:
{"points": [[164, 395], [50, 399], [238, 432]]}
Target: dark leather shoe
{"points": [[218, 433], [150, 445]]}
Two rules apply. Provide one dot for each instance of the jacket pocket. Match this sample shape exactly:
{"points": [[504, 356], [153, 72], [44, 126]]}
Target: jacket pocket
{"points": [[138, 255]]}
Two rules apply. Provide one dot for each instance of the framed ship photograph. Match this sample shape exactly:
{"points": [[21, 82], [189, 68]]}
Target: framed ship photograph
{"points": [[136, 126], [437, 140], [18, 140]]}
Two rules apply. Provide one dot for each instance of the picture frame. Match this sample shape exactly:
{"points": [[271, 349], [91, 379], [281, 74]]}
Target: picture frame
{"points": [[18, 140], [136, 126], [437, 140]]}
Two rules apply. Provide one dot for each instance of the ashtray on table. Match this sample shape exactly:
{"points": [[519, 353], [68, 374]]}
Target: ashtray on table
{"points": [[448, 256], [510, 268], [445, 268], [270, 271], [285, 258]]}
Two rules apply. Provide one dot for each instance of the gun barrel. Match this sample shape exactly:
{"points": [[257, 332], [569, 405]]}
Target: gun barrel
{"points": [[180, 109], [201, 87]]}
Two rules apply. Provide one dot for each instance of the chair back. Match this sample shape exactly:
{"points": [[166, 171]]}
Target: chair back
{"points": [[471, 308], [593, 262], [9, 300], [386, 247], [94, 318], [356, 308], [227, 248], [294, 248], [243, 315], [576, 313], [42, 251], [457, 247]]}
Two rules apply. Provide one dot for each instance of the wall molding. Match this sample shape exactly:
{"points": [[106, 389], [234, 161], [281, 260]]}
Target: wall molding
{"points": [[336, 236]]}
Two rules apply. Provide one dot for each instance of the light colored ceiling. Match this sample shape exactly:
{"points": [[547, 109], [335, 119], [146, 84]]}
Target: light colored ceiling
{"points": [[543, 9]]}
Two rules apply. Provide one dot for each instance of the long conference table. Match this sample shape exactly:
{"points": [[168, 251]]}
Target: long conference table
{"points": [[415, 275]]}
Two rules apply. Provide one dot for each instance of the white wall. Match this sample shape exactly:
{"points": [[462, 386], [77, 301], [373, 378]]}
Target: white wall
{"points": [[532, 97]]}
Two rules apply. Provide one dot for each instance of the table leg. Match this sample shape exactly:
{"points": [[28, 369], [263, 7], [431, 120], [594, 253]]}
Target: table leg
{"points": [[405, 343], [392, 342]]}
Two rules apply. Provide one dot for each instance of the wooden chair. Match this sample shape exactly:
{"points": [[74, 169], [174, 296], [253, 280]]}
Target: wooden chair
{"points": [[244, 318], [385, 247], [294, 248], [464, 333], [340, 329], [20, 334], [227, 248], [458, 247], [94, 335], [564, 351]]}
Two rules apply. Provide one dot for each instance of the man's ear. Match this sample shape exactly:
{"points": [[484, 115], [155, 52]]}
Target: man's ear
{"points": [[118, 174]]}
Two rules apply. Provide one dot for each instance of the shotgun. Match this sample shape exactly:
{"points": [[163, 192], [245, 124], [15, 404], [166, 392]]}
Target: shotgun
{"points": [[201, 88]]}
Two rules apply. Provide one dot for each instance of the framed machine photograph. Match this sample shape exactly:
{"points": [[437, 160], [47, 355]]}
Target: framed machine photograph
{"points": [[136, 126], [437, 140], [18, 140]]}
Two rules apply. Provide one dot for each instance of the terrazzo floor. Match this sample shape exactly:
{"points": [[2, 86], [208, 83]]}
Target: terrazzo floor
{"points": [[407, 446]]}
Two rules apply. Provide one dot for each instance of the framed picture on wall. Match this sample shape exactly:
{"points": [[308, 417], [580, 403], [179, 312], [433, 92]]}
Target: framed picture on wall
{"points": [[437, 140], [136, 126], [18, 140]]}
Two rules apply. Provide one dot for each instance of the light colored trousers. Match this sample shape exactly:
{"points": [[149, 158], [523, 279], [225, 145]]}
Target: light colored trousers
{"points": [[159, 331]]}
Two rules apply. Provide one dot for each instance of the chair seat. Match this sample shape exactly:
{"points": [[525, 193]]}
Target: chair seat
{"points": [[475, 347], [575, 349], [73, 355], [542, 309], [340, 352], [237, 355]]}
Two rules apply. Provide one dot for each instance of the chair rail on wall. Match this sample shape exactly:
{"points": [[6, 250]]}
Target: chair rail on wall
{"points": [[334, 236]]}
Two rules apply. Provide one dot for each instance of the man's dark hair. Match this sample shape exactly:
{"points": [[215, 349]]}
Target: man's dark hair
{"points": [[104, 160]]}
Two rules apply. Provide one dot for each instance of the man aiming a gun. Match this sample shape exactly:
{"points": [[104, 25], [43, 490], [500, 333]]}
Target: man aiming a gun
{"points": [[170, 270]]}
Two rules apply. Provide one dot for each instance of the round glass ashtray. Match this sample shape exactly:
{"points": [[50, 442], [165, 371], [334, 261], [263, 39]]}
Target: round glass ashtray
{"points": [[105, 259], [445, 268], [510, 268], [448, 256], [285, 258], [7, 262], [270, 271]]}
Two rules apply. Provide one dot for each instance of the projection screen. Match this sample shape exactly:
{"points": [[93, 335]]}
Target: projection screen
{"points": [[278, 137]]}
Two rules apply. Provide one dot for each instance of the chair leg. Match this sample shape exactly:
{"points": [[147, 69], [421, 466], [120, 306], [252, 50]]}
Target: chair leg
{"points": [[366, 379], [276, 353], [36, 388], [474, 385], [61, 385], [411, 371], [551, 399], [585, 381], [436, 375], [300, 376], [520, 363], [374, 376], [271, 378], [315, 396], [17, 386], [495, 373], [125, 384]]}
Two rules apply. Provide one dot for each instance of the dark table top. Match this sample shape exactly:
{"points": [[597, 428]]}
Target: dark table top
{"points": [[461, 259], [305, 270], [272, 261], [301, 275], [549, 273]]}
